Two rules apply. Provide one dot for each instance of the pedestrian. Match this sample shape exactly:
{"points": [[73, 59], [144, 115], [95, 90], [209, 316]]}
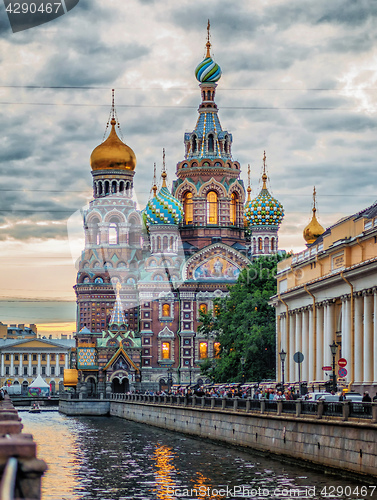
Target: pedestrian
{"points": [[375, 398], [366, 398]]}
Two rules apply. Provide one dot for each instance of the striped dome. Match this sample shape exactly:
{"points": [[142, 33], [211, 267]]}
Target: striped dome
{"points": [[208, 71], [264, 210], [163, 209]]}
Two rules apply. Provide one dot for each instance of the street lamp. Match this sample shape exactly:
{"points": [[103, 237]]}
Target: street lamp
{"points": [[282, 355], [243, 368], [334, 348]]}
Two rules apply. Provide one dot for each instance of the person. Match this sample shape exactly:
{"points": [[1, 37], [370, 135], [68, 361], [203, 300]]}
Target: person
{"points": [[375, 398], [366, 398]]}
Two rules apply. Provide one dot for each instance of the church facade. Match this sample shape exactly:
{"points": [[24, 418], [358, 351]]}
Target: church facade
{"points": [[145, 276]]}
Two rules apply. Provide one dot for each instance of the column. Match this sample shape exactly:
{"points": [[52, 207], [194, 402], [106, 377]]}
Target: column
{"points": [[57, 365], [346, 333], [11, 365], [311, 347], [20, 370], [368, 339], [30, 370], [304, 347], [290, 349], [319, 361], [66, 361], [39, 365], [328, 335], [2, 365], [375, 335], [358, 347], [298, 342], [48, 366]]}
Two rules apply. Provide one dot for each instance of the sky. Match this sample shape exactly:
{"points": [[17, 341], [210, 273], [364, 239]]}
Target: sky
{"points": [[299, 81]]}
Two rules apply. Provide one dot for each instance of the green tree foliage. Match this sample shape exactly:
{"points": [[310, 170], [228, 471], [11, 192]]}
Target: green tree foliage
{"points": [[244, 324]]}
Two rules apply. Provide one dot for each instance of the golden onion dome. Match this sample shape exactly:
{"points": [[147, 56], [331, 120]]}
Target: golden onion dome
{"points": [[314, 229], [113, 154]]}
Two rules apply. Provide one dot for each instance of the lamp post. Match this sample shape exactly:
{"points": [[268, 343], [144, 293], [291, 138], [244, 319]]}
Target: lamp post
{"points": [[334, 348], [282, 355], [243, 368], [190, 374]]}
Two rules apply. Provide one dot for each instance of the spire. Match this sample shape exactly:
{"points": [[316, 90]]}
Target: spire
{"points": [[264, 176], [154, 187], [314, 229], [117, 314], [208, 44], [248, 184], [164, 174]]}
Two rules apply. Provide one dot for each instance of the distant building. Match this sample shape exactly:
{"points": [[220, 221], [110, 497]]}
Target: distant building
{"points": [[328, 293], [24, 356]]}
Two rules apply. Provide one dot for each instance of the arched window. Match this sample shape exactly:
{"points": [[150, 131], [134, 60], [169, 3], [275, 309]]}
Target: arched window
{"points": [[212, 208], [158, 243], [107, 187], [233, 209], [203, 308], [211, 143], [114, 232], [114, 187], [95, 233], [266, 245], [121, 187], [216, 349], [272, 244], [194, 144], [99, 188], [203, 350], [165, 243], [260, 245], [165, 350], [166, 310], [188, 207]]}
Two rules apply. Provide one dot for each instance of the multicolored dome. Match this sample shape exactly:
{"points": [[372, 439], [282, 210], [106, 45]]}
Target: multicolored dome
{"points": [[264, 210], [208, 71], [163, 208]]}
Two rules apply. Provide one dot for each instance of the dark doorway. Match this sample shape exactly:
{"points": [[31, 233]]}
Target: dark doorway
{"points": [[92, 386], [118, 387]]}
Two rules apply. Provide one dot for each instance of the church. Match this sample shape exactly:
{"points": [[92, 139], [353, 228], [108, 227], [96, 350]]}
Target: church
{"points": [[144, 276]]}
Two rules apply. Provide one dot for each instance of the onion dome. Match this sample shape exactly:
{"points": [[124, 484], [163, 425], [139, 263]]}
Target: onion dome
{"points": [[163, 208], [113, 154], [314, 229], [208, 71], [264, 210]]}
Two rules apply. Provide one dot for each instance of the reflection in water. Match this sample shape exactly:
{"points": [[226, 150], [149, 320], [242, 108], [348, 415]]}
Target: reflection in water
{"points": [[163, 455], [101, 458]]}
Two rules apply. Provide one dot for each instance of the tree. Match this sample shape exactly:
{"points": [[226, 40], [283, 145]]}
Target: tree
{"points": [[244, 325]]}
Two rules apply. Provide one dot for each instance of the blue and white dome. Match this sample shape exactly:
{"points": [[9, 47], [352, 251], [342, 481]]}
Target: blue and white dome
{"points": [[264, 210], [163, 208], [208, 71]]}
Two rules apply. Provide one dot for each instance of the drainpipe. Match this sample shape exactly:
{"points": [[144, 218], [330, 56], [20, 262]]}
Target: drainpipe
{"points": [[352, 374], [362, 250], [314, 331]]}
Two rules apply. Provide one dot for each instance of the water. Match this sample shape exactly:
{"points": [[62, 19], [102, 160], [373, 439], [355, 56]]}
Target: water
{"points": [[102, 458]]}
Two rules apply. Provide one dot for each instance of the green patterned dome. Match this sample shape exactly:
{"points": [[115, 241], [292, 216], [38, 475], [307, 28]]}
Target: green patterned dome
{"points": [[264, 210], [163, 209]]}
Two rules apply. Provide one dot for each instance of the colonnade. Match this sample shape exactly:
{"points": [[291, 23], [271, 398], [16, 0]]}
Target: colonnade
{"points": [[21, 364], [352, 324]]}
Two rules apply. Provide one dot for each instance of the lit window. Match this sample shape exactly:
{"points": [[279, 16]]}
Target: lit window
{"points": [[216, 349], [166, 310], [203, 350], [165, 350], [203, 308], [188, 208], [211, 208], [233, 209]]}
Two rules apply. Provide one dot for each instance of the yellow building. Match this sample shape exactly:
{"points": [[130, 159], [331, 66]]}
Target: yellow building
{"points": [[328, 293], [22, 360]]}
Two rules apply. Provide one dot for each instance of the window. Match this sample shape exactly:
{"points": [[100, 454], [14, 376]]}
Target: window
{"points": [[165, 350], [212, 208], [34, 370], [7, 357], [188, 208], [233, 209], [62, 370], [166, 310], [43, 370], [211, 143], [43, 357], [52, 357], [25, 357], [203, 350], [16, 357], [34, 357], [25, 370], [203, 308], [16, 370], [62, 358], [216, 349], [52, 370], [260, 244], [7, 370]]}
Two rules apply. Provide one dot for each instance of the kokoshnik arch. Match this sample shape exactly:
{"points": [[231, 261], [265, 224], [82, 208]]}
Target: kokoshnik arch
{"points": [[144, 277]]}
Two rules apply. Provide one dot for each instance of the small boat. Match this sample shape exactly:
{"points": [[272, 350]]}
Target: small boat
{"points": [[35, 409]]}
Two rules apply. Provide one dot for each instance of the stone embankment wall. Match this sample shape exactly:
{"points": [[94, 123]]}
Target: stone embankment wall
{"points": [[347, 446], [18, 458], [74, 407]]}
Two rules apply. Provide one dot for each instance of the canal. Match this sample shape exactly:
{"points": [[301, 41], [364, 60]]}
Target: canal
{"points": [[102, 458]]}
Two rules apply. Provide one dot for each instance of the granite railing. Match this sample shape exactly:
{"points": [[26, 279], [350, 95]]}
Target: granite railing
{"points": [[342, 410], [20, 469]]}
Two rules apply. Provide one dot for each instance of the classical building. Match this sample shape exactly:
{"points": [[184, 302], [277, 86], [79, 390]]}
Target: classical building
{"points": [[23, 359], [144, 277], [327, 293]]}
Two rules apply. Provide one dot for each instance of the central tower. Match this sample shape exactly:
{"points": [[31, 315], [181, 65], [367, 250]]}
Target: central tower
{"points": [[208, 184]]}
